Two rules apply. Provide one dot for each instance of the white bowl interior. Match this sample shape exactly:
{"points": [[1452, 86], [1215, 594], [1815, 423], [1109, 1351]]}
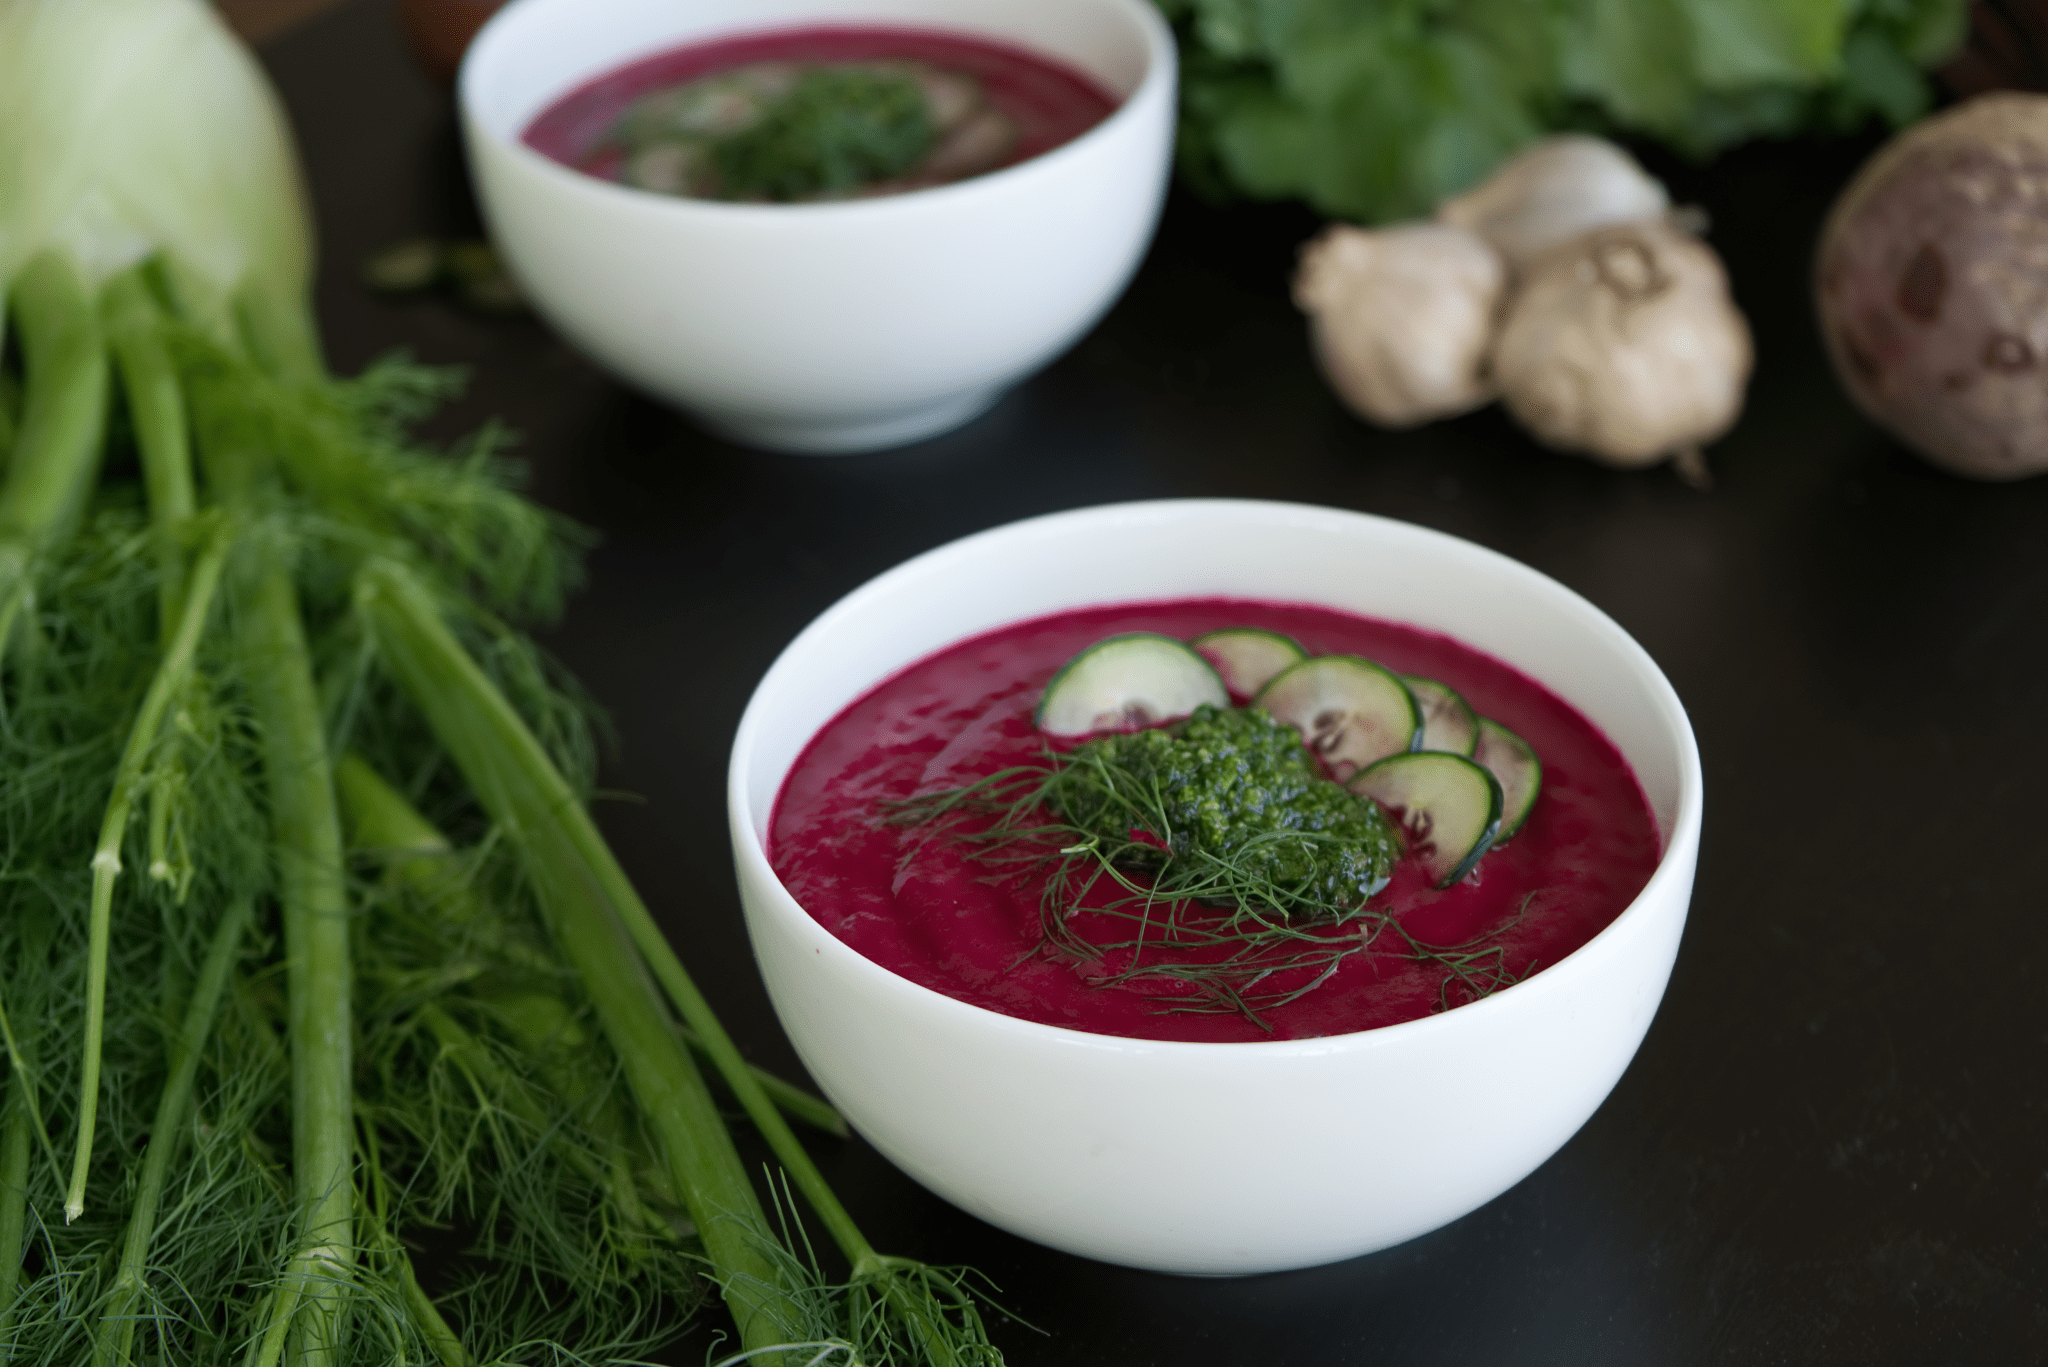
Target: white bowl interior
{"points": [[531, 53]]}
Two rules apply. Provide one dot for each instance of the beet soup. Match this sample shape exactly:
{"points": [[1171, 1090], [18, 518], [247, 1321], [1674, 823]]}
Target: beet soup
{"points": [[818, 113], [924, 908]]}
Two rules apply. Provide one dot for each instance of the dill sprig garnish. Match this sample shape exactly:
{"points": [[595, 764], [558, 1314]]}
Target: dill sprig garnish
{"points": [[1210, 855]]}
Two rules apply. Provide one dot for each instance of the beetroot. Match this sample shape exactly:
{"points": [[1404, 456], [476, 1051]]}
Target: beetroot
{"points": [[1933, 287]]}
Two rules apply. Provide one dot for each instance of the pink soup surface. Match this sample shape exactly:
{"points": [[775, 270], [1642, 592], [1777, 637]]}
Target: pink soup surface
{"points": [[1589, 845], [1051, 103]]}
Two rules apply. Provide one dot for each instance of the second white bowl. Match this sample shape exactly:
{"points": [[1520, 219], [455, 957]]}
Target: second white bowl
{"points": [[824, 327]]}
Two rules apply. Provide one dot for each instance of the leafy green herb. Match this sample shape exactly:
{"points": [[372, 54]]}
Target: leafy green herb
{"points": [[768, 131], [1378, 111], [1238, 870], [837, 128]]}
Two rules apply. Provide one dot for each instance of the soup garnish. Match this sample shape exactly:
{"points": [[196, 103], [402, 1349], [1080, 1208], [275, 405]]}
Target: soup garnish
{"points": [[1130, 680], [1247, 658], [784, 131], [1351, 711], [1448, 721], [1226, 844]]}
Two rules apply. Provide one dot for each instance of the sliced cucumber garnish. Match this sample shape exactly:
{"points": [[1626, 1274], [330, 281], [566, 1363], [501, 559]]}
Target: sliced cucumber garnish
{"points": [[1449, 806], [1128, 682], [1510, 759], [1248, 657], [1350, 711], [1448, 721]]}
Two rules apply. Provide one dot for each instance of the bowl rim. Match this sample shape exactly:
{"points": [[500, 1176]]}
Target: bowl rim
{"points": [[1675, 863], [1161, 70]]}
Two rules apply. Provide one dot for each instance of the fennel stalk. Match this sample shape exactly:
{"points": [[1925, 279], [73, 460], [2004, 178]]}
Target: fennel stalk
{"points": [[150, 210]]}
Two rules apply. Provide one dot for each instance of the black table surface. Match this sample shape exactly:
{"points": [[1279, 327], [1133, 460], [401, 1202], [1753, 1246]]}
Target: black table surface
{"points": [[1833, 1145]]}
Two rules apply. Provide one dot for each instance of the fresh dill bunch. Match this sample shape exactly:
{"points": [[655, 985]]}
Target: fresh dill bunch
{"points": [[238, 1187], [548, 1268], [1228, 867], [70, 697], [276, 1087]]}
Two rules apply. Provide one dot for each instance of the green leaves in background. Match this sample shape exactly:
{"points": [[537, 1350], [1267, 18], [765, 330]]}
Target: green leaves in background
{"points": [[1377, 109]]}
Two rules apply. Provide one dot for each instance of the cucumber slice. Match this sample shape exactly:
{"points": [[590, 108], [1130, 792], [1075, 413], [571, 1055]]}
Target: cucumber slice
{"points": [[1128, 682], [1248, 657], [1510, 759], [1350, 711], [1449, 806], [1448, 721]]}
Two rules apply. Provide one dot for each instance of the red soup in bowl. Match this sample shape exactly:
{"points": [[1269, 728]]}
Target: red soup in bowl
{"points": [[818, 112], [855, 840]]}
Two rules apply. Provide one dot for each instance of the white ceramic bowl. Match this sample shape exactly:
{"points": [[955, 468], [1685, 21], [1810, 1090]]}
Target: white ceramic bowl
{"points": [[1218, 1158], [824, 327]]}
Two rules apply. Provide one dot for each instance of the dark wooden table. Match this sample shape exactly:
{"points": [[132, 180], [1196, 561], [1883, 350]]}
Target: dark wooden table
{"points": [[1833, 1147]]}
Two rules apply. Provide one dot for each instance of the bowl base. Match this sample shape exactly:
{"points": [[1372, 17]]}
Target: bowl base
{"points": [[837, 436]]}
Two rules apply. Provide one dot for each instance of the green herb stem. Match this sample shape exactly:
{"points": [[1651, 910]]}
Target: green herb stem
{"points": [[277, 329], [172, 672], [519, 786], [426, 1316], [280, 1312], [21, 1066], [22, 1115], [56, 450], [14, 1137], [64, 414], [116, 1337], [164, 783], [156, 411], [306, 830], [277, 673]]}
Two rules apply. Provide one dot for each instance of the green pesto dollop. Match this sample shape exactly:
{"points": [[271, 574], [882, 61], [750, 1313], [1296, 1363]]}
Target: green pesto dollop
{"points": [[1235, 790]]}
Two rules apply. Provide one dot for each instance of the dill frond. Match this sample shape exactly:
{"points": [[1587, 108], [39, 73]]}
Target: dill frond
{"points": [[1210, 855]]}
